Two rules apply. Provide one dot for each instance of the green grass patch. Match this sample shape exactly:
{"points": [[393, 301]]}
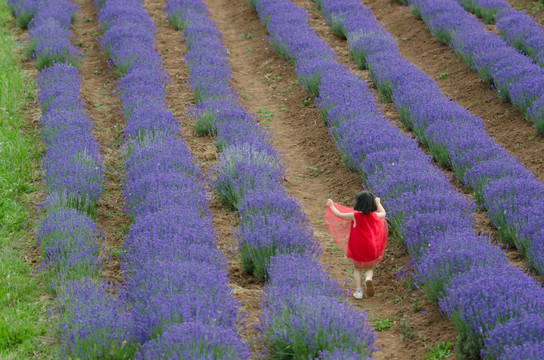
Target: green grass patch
{"points": [[380, 324], [24, 323], [440, 351]]}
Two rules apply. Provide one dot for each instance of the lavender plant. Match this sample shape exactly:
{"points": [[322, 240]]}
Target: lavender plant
{"points": [[49, 33], [208, 115], [505, 337], [94, 323], [263, 236], [472, 303], [23, 11], [520, 31], [192, 341], [73, 167], [528, 350], [241, 169], [70, 244], [304, 317], [517, 28]]}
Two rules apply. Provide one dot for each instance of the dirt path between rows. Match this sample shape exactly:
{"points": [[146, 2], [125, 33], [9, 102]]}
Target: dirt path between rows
{"points": [[315, 171], [501, 120], [103, 107], [246, 289]]}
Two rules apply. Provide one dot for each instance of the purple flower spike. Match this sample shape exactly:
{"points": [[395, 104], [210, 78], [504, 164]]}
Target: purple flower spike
{"points": [[94, 322], [195, 341]]}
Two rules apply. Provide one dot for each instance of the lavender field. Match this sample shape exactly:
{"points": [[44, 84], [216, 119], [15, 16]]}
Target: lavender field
{"points": [[185, 150]]}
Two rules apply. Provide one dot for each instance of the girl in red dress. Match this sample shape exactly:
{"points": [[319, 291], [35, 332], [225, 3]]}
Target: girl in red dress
{"points": [[361, 234]]}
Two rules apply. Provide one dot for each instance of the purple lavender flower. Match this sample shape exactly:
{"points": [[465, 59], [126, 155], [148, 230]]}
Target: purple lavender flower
{"points": [[302, 326], [522, 32], [302, 272], [70, 244], [241, 169], [64, 11], [440, 260], [94, 323], [517, 28], [170, 234], [192, 291], [473, 302], [195, 341], [24, 10], [528, 350], [59, 81], [263, 236], [249, 171], [525, 329], [50, 43]]}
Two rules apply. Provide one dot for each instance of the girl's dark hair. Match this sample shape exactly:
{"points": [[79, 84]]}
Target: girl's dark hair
{"points": [[365, 202]]}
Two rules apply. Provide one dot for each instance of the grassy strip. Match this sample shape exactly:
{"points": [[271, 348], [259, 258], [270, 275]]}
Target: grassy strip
{"points": [[23, 304]]}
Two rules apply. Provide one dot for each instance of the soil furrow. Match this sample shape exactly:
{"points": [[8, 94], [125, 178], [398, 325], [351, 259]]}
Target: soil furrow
{"points": [[501, 120], [103, 107], [246, 289], [315, 172]]}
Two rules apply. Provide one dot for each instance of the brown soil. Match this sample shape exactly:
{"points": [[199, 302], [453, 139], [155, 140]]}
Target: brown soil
{"points": [[502, 120], [316, 172], [103, 107], [246, 289]]}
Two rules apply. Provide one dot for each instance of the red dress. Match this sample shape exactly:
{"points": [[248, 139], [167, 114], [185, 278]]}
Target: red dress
{"points": [[363, 243]]}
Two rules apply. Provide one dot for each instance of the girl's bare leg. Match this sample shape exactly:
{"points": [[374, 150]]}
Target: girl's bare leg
{"points": [[357, 276], [369, 272]]}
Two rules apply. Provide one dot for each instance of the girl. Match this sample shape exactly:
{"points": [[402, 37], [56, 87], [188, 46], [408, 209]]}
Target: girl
{"points": [[361, 234]]}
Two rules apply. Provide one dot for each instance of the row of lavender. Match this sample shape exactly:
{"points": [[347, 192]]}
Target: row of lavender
{"points": [[517, 28], [72, 166], [275, 241], [516, 78], [49, 25], [176, 291], [470, 278], [454, 137], [73, 171]]}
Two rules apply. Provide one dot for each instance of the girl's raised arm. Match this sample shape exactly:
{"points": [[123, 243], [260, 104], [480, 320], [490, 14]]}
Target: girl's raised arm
{"points": [[345, 216], [381, 211]]}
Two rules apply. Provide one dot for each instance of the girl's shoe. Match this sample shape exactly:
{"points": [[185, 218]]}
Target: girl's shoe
{"points": [[369, 288], [358, 294]]}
